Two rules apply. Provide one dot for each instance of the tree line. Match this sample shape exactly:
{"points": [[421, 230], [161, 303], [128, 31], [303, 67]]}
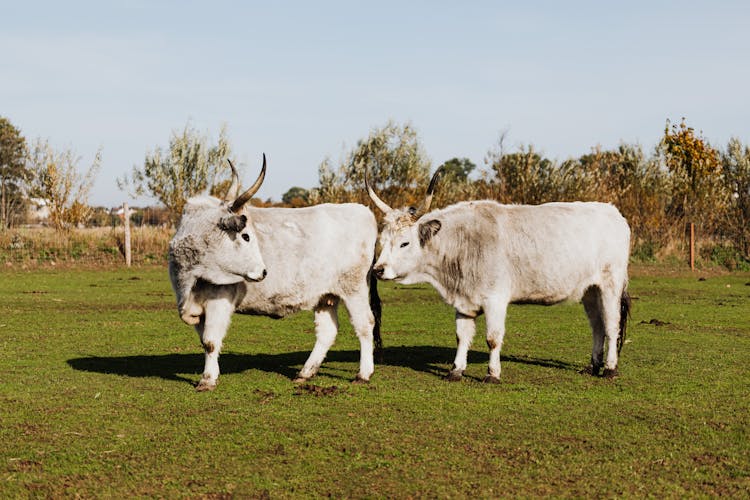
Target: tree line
{"points": [[684, 179]]}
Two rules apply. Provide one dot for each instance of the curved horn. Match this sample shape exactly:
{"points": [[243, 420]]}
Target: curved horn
{"points": [[245, 197], [431, 190], [234, 187], [378, 202]]}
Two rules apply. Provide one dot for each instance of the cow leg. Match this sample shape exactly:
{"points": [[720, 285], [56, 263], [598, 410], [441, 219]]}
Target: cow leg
{"points": [[363, 322], [465, 329], [495, 313], [326, 328], [611, 317], [212, 329], [592, 303]]}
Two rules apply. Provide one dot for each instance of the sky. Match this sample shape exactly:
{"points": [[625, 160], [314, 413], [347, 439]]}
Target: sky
{"points": [[303, 81]]}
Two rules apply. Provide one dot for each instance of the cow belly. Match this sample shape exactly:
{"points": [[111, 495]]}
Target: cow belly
{"points": [[277, 304], [270, 309], [551, 291], [543, 300]]}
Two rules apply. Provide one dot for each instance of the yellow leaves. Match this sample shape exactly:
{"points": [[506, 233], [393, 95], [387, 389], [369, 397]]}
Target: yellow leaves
{"points": [[59, 182], [689, 154]]}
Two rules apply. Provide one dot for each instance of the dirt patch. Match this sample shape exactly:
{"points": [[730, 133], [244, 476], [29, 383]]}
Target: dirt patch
{"points": [[317, 390], [655, 322], [265, 396], [20, 465]]}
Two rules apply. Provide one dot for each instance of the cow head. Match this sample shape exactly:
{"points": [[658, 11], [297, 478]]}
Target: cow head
{"points": [[215, 242], [404, 236]]}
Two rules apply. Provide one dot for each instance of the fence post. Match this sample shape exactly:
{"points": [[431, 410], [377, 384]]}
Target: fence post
{"points": [[126, 215]]}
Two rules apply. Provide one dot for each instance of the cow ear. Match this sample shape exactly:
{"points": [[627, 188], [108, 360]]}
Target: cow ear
{"points": [[233, 223], [427, 230]]}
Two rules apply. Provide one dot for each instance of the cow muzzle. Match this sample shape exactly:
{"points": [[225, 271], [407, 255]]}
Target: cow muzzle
{"points": [[255, 277], [379, 271]]}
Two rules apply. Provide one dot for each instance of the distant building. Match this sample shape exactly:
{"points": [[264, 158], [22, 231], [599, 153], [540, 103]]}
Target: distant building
{"points": [[38, 211]]}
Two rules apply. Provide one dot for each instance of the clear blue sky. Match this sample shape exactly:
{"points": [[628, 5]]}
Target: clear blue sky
{"points": [[301, 81]]}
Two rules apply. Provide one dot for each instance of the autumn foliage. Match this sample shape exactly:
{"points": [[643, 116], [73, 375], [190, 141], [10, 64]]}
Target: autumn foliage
{"points": [[684, 180]]}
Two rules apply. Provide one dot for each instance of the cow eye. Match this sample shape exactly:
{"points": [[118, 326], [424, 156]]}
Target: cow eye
{"points": [[404, 244], [245, 237]]}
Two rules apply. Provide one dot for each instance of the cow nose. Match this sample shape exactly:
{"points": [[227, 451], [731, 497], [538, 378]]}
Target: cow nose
{"points": [[379, 270], [256, 277]]}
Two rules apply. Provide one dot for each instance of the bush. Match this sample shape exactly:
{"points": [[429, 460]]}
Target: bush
{"points": [[725, 256]]}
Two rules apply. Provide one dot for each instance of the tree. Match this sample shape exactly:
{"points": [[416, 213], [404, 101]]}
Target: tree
{"points": [[296, 197], [695, 172], [736, 167], [457, 169], [57, 180], [397, 167], [13, 174], [454, 184], [190, 166], [524, 177]]}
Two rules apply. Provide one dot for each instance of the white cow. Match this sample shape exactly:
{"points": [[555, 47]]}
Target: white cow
{"points": [[309, 259], [482, 256]]}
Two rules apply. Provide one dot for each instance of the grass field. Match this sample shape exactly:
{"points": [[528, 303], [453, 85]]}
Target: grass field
{"points": [[97, 400]]}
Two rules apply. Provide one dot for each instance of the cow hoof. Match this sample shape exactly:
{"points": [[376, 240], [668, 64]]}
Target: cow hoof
{"points": [[591, 370], [454, 376], [489, 379], [360, 380], [300, 380], [610, 373], [205, 386]]}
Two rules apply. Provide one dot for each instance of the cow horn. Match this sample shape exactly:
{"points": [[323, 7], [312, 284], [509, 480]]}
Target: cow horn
{"points": [[245, 197], [378, 202], [234, 187], [431, 191]]}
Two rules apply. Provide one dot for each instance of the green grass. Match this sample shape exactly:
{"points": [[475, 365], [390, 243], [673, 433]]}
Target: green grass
{"points": [[96, 399]]}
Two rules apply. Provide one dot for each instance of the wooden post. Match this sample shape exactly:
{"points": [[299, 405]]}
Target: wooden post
{"points": [[692, 246], [126, 215]]}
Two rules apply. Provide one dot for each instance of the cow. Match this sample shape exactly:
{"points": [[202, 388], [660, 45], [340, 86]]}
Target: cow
{"points": [[231, 257], [482, 255]]}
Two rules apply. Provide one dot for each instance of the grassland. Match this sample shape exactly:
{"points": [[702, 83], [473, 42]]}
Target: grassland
{"points": [[96, 399]]}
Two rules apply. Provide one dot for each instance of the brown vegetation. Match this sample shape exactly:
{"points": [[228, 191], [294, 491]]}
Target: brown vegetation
{"points": [[31, 247], [684, 181]]}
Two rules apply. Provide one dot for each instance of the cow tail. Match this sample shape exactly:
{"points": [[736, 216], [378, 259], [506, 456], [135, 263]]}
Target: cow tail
{"points": [[377, 310], [625, 304]]}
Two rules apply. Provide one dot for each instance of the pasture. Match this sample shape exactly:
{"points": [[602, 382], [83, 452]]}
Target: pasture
{"points": [[97, 398]]}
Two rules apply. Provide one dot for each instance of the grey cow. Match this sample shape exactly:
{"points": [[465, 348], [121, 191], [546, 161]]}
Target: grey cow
{"points": [[231, 257], [483, 255]]}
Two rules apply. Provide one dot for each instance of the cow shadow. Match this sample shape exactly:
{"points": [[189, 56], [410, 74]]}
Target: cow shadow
{"points": [[175, 367]]}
